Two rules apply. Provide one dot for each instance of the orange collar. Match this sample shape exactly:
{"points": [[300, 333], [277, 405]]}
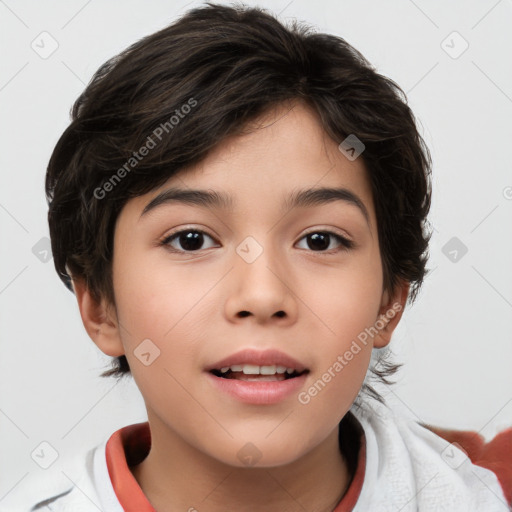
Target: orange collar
{"points": [[129, 446]]}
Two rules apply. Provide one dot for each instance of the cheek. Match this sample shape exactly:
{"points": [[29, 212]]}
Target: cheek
{"points": [[347, 303], [153, 296], [347, 314], [169, 306], [160, 305], [347, 344]]}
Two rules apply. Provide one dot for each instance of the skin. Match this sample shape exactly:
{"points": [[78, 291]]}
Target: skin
{"points": [[188, 304]]}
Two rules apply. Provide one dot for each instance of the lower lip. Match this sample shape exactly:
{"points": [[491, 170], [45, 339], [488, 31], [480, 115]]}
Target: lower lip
{"points": [[263, 393]]}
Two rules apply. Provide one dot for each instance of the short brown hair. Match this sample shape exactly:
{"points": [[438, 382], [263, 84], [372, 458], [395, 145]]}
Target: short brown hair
{"points": [[235, 63]]}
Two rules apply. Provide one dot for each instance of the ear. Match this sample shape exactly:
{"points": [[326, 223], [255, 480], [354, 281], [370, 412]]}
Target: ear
{"points": [[100, 320], [390, 312]]}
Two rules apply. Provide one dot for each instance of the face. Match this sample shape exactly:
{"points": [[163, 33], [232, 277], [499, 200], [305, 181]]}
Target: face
{"points": [[292, 285]]}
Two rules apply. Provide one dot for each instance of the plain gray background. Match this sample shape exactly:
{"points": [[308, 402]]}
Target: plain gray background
{"points": [[455, 342]]}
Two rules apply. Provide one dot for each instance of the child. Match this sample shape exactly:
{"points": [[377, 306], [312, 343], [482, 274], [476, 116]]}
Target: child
{"points": [[252, 348]]}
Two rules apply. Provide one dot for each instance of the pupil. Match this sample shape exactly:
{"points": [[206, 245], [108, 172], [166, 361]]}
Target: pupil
{"points": [[191, 241], [319, 241]]}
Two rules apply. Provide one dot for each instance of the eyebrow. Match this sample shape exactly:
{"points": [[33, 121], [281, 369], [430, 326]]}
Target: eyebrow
{"points": [[298, 199]]}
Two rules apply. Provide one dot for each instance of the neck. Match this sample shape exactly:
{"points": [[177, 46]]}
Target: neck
{"points": [[177, 476]]}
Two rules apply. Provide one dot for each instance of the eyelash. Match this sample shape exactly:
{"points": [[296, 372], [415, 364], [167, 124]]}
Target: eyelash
{"points": [[344, 242]]}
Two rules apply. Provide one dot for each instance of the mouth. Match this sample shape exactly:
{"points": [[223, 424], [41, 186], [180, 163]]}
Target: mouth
{"points": [[258, 377], [256, 373], [252, 365]]}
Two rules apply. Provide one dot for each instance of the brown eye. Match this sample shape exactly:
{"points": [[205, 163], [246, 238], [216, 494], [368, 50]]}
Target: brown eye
{"points": [[189, 240], [319, 241]]}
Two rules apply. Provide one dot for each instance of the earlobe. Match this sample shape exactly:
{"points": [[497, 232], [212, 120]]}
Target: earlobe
{"points": [[99, 321], [391, 310]]}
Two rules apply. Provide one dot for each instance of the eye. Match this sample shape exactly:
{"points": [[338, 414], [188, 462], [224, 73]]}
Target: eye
{"points": [[319, 241], [189, 239], [192, 240]]}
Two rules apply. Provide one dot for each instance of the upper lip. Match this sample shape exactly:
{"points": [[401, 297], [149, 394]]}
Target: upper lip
{"points": [[268, 357]]}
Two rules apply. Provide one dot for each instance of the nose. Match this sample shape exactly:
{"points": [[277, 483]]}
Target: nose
{"points": [[261, 289]]}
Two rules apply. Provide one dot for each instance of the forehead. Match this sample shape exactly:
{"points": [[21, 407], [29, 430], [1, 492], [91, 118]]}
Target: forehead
{"points": [[275, 157]]}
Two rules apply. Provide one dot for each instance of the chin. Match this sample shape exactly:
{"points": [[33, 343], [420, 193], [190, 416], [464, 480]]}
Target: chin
{"points": [[260, 453]]}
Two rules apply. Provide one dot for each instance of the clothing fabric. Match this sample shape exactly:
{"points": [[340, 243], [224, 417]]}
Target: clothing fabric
{"points": [[401, 465]]}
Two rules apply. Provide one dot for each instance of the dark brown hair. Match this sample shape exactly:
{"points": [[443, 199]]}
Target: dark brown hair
{"points": [[228, 65]]}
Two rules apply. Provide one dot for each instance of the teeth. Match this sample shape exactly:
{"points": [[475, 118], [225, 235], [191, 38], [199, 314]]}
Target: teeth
{"points": [[253, 369], [267, 370]]}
